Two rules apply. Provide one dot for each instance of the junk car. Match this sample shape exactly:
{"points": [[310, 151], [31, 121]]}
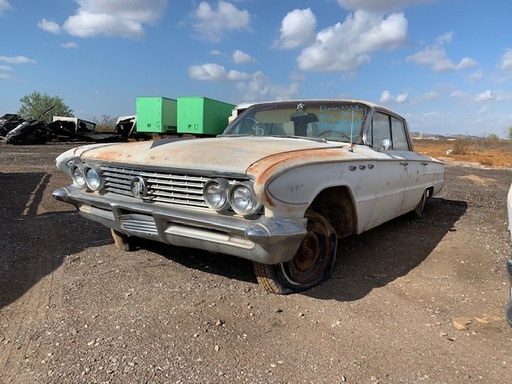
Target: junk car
{"points": [[281, 186]]}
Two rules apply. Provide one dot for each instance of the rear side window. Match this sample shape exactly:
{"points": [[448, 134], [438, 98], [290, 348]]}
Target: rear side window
{"points": [[399, 137]]}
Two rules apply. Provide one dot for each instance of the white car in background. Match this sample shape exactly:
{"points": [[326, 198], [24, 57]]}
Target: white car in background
{"points": [[509, 262]]}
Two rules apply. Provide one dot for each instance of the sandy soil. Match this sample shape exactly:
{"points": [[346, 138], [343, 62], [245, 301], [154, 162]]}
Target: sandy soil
{"points": [[413, 301]]}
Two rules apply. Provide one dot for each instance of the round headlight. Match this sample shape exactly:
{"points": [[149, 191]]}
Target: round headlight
{"points": [[243, 201], [93, 179], [79, 177], [215, 194]]}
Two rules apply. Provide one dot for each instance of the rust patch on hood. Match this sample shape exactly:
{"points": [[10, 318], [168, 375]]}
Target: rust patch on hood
{"points": [[221, 154]]}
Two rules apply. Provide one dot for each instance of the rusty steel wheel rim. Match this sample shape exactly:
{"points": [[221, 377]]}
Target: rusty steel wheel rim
{"points": [[309, 263]]}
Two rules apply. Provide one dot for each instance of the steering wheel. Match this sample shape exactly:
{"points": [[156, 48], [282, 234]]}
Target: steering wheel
{"points": [[341, 134]]}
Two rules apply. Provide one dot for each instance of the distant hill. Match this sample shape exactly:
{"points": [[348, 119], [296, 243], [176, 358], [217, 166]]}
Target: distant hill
{"points": [[433, 136]]}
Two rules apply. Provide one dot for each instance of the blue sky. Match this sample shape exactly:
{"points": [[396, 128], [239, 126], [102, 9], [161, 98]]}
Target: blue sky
{"points": [[446, 65]]}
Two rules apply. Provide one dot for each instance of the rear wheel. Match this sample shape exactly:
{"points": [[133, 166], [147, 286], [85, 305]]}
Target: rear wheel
{"points": [[419, 211], [312, 264], [122, 241]]}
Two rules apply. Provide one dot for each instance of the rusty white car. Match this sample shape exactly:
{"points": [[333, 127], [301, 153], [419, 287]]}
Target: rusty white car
{"points": [[509, 262], [281, 186]]}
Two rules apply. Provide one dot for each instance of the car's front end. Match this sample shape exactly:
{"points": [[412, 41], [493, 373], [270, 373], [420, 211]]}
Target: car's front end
{"points": [[212, 208]]}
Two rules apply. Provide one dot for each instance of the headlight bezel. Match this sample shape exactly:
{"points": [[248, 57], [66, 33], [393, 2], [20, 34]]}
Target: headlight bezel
{"points": [[253, 207], [227, 195], [93, 178], [86, 176], [223, 186], [78, 176]]}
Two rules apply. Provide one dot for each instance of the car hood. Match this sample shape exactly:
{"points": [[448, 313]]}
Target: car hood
{"points": [[220, 154]]}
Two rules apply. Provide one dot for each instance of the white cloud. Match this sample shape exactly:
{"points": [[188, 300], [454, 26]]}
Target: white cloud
{"points": [[379, 5], [386, 97], [259, 87], [458, 94], [86, 24], [484, 109], [211, 24], [4, 69], [485, 96], [435, 57], [4, 6], [240, 57], [142, 11], [505, 63], [3, 72], [49, 26], [476, 76], [215, 72], [123, 18], [347, 46], [425, 97], [255, 87], [69, 45], [297, 29], [445, 38], [16, 60], [216, 52]]}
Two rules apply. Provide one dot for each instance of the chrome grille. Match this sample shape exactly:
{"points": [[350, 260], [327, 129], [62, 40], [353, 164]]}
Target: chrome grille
{"points": [[163, 187], [136, 222]]}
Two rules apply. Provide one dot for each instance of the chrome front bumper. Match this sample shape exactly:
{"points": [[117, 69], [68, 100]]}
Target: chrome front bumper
{"points": [[266, 240]]}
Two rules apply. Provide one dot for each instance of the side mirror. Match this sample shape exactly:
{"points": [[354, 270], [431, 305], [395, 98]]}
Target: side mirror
{"points": [[385, 144]]}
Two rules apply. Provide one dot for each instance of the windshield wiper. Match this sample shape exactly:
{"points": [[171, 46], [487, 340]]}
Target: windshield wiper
{"points": [[316, 139], [235, 135]]}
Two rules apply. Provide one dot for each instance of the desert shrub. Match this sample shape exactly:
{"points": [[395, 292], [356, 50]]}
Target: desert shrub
{"points": [[459, 147], [488, 141]]}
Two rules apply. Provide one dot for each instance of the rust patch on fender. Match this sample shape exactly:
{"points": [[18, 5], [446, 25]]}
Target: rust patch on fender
{"points": [[269, 166]]}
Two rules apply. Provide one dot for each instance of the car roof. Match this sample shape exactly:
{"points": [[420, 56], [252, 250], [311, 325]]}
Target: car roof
{"points": [[370, 104]]}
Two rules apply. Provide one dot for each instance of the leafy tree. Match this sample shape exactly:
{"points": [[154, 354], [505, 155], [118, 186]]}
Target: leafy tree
{"points": [[35, 103], [105, 123], [509, 133]]}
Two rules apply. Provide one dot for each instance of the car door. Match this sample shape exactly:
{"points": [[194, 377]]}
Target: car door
{"points": [[416, 165], [392, 172]]}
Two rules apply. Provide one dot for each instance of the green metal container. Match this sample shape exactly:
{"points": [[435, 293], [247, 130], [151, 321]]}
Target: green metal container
{"points": [[202, 116], [157, 114]]}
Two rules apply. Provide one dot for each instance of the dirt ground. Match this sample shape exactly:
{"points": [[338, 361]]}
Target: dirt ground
{"points": [[413, 301]]}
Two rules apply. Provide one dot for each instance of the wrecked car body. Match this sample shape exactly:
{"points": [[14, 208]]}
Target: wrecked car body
{"points": [[17, 131], [20, 131], [283, 183], [8, 122]]}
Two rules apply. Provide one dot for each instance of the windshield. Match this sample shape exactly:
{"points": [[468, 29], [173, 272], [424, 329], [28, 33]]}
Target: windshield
{"points": [[330, 120]]}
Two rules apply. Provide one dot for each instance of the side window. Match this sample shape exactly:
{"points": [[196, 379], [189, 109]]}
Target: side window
{"points": [[400, 142], [381, 131]]}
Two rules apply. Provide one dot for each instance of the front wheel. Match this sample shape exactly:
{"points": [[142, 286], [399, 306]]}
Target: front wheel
{"points": [[122, 241], [312, 264]]}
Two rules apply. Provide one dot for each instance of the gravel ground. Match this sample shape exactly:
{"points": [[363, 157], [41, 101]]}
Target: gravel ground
{"points": [[413, 301]]}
